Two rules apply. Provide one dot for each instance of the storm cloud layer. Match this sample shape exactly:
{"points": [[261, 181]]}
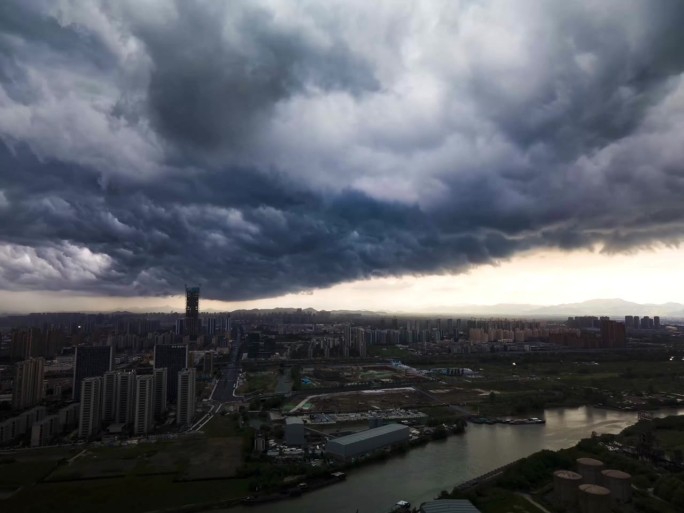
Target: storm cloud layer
{"points": [[265, 147]]}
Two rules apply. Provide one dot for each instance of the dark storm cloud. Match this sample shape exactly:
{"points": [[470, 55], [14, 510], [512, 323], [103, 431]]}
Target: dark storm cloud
{"points": [[213, 91], [259, 152]]}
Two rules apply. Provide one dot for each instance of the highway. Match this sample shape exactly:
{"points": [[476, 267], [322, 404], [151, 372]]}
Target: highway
{"points": [[224, 392]]}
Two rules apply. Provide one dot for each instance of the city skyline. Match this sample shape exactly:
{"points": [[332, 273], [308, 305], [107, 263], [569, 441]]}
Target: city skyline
{"points": [[401, 157]]}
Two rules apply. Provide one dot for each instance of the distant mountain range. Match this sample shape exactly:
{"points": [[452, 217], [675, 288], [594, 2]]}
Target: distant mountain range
{"points": [[598, 307], [610, 307]]}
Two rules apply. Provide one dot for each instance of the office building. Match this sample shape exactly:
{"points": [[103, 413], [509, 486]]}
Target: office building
{"points": [[28, 383], [656, 321], [185, 410], [192, 321], [160, 391], [90, 362], [173, 358], [143, 419], [90, 414]]}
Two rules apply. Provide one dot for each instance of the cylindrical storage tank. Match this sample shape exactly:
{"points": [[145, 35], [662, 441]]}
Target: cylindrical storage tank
{"points": [[594, 498], [565, 483], [619, 483], [590, 470]]}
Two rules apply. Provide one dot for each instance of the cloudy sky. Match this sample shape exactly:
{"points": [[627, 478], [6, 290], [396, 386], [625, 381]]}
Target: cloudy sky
{"points": [[351, 154]]}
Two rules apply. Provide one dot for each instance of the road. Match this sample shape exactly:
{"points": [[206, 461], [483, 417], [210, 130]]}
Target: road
{"points": [[224, 391]]}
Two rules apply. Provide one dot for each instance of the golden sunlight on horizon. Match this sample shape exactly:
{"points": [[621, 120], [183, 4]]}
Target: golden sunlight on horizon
{"points": [[541, 277]]}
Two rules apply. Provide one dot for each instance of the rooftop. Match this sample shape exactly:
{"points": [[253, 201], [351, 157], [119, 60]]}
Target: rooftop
{"points": [[369, 433], [448, 506]]}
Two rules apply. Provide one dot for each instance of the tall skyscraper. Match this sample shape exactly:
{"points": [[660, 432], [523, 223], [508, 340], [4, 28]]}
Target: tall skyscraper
{"points": [[173, 357], [656, 321], [143, 418], [28, 383], [186, 397], [192, 321], [91, 361], [90, 415], [160, 391], [125, 397]]}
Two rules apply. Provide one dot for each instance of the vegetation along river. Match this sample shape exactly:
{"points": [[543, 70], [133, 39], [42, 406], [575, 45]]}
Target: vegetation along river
{"points": [[421, 473]]}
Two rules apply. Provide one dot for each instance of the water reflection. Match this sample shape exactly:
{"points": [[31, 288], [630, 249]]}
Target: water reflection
{"points": [[422, 473]]}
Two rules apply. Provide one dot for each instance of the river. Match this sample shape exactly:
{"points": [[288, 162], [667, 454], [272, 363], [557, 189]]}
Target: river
{"points": [[420, 474]]}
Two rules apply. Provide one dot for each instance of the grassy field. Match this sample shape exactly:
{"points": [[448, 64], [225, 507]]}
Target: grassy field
{"points": [[22, 468], [132, 495], [187, 459], [261, 382], [134, 478], [222, 426], [389, 352]]}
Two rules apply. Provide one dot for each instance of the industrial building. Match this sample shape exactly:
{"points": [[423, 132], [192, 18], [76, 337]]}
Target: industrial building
{"points": [[294, 431], [350, 446], [565, 488], [448, 506], [590, 470]]}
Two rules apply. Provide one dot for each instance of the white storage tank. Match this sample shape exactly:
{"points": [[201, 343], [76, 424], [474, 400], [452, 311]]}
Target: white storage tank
{"points": [[594, 499], [590, 470], [620, 485], [565, 487]]}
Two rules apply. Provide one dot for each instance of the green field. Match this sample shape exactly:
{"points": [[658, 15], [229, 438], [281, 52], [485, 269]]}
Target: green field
{"points": [[133, 478], [259, 382], [130, 495]]}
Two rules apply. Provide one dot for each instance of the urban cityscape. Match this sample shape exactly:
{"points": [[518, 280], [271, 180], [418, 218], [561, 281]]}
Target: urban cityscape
{"points": [[402, 256], [263, 393]]}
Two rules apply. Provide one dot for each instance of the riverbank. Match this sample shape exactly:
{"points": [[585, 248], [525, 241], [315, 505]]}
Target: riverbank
{"points": [[422, 473], [649, 452]]}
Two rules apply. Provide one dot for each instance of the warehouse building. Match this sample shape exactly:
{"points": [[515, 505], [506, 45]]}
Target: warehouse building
{"points": [[350, 446], [294, 431]]}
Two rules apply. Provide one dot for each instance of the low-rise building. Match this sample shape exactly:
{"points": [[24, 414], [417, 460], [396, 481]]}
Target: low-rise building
{"points": [[363, 442], [294, 431]]}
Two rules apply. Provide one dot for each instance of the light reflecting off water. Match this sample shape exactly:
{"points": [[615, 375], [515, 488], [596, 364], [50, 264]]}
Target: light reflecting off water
{"points": [[422, 473]]}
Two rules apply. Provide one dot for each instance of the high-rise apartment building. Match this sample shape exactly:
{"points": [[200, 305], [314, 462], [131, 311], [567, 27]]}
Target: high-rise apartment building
{"points": [[28, 383], [90, 415], [192, 321], [143, 416], [208, 363], [109, 396], [125, 397], [160, 391], [173, 357], [612, 334], [90, 361], [186, 397]]}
